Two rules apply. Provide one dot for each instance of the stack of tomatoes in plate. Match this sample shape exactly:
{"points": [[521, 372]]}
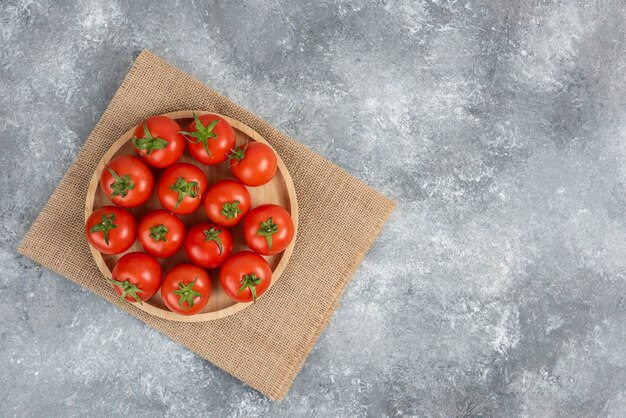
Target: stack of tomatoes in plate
{"points": [[183, 188]]}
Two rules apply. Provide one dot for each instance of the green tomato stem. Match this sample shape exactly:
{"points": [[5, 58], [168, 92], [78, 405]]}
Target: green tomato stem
{"points": [[121, 185], [128, 289], [105, 226], [159, 233], [187, 294], [267, 229], [214, 235], [250, 281], [238, 154], [148, 143], [184, 189], [202, 133], [231, 210]]}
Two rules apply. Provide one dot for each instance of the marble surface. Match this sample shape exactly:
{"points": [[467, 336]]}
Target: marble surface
{"points": [[498, 287]]}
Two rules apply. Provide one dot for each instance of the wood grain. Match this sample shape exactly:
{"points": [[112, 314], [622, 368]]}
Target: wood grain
{"points": [[279, 190]]}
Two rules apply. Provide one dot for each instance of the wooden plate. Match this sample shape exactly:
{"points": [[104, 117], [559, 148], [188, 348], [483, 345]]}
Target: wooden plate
{"points": [[279, 191]]}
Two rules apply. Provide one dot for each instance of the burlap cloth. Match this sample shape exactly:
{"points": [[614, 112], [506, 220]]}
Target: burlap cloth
{"points": [[266, 344]]}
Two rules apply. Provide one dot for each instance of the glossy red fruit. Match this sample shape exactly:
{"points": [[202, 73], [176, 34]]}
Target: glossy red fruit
{"points": [[208, 245], [253, 164], [210, 138], [137, 277], [268, 229], [111, 230], [186, 289], [161, 233], [181, 188], [127, 181], [158, 141], [245, 276], [227, 202]]}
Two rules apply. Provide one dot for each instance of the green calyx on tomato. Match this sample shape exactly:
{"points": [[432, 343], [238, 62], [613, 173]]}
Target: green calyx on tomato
{"points": [[214, 235], [238, 154], [121, 185], [105, 226], [187, 294], [231, 210], [148, 142], [267, 229], [159, 233], [250, 281], [185, 188], [202, 134], [128, 289]]}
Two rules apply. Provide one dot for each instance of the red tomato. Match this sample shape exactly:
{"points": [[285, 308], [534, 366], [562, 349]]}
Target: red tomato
{"points": [[208, 245], [111, 230], [210, 138], [158, 141], [253, 164], [227, 202], [127, 181], [137, 277], [182, 188], [186, 289], [161, 233], [245, 276], [268, 229]]}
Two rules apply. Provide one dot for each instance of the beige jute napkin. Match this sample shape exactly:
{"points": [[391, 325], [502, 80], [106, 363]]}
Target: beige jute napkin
{"points": [[266, 344]]}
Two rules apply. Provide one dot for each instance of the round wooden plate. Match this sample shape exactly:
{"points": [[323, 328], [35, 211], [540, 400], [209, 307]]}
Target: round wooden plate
{"points": [[279, 191]]}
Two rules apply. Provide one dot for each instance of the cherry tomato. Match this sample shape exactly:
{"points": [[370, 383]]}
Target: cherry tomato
{"points": [[161, 233], [127, 181], [182, 188], [208, 245], [227, 202], [253, 164], [137, 277], [186, 289], [111, 230], [245, 276], [210, 138], [268, 229], [158, 141]]}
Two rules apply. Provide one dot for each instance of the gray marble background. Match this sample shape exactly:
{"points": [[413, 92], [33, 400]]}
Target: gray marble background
{"points": [[498, 287]]}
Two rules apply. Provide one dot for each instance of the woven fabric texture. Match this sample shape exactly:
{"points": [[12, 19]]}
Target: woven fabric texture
{"points": [[276, 334]]}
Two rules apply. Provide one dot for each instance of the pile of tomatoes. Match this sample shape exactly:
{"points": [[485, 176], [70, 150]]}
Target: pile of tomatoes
{"points": [[182, 188]]}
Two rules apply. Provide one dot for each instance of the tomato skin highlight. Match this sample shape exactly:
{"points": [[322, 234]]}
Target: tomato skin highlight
{"points": [[219, 146], [227, 192], [120, 238], [186, 274], [141, 270], [237, 267], [281, 239], [170, 198], [204, 251], [253, 164], [174, 236], [138, 173], [164, 128]]}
